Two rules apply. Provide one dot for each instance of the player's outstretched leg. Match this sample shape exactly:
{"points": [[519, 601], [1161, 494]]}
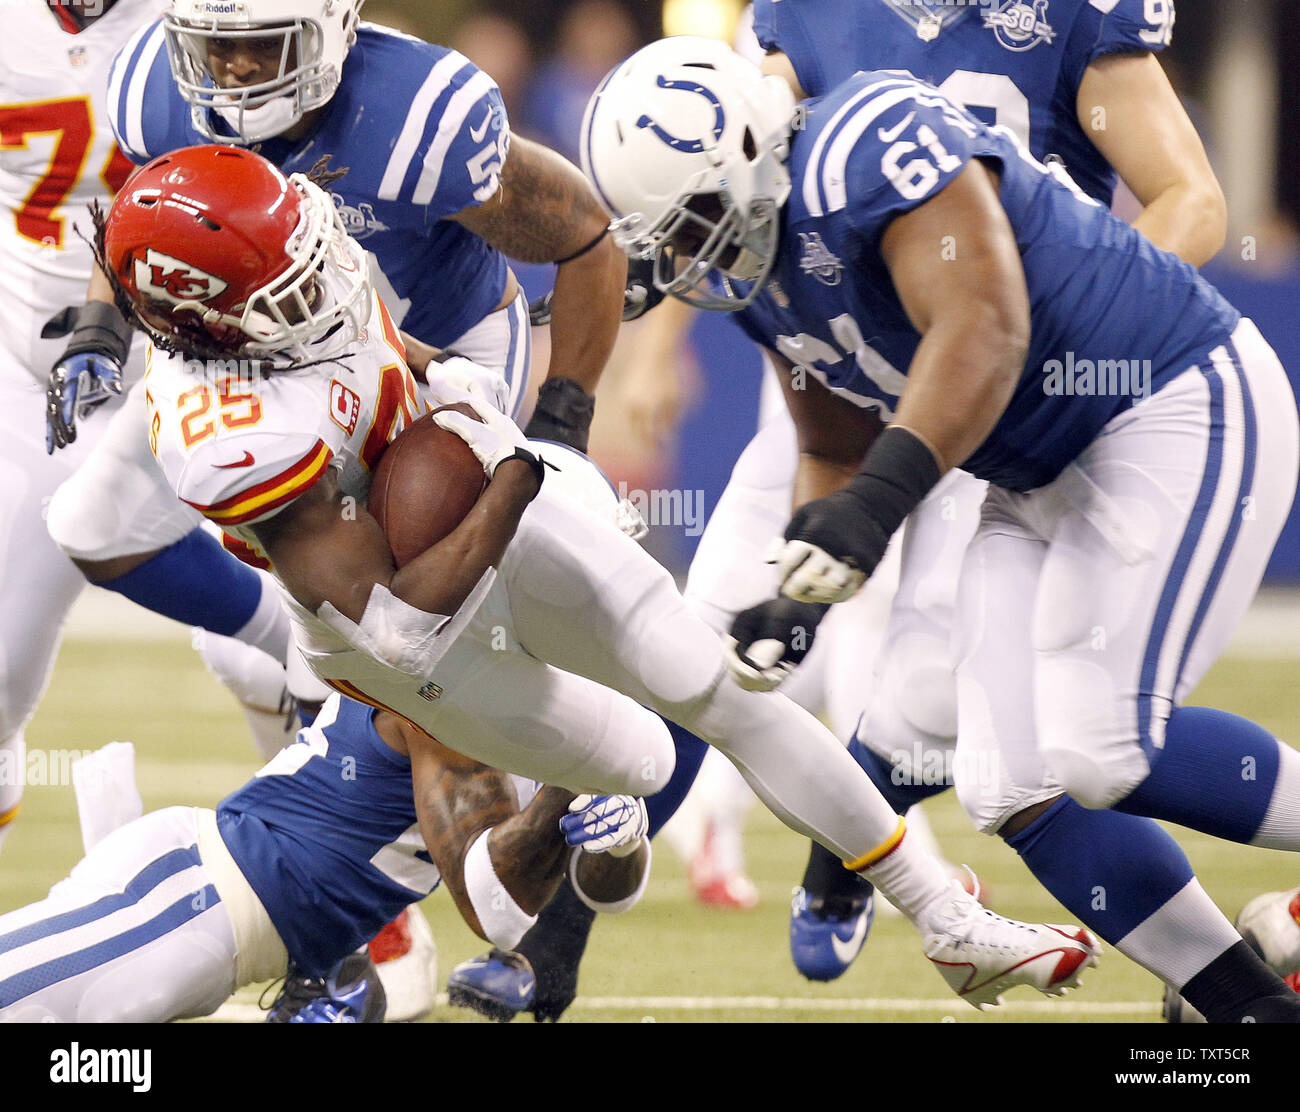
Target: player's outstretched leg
{"points": [[587, 600]]}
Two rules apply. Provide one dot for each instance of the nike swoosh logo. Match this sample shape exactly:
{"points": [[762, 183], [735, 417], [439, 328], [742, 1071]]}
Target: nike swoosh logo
{"points": [[477, 133], [247, 461], [890, 136], [847, 949]]}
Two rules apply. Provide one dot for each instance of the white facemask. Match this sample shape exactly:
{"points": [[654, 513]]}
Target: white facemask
{"points": [[265, 122]]}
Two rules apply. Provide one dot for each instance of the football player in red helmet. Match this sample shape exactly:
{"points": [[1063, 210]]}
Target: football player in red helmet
{"points": [[537, 637], [219, 254]]}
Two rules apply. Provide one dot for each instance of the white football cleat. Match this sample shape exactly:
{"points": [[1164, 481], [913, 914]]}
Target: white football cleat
{"points": [[1271, 924], [981, 954], [407, 959]]}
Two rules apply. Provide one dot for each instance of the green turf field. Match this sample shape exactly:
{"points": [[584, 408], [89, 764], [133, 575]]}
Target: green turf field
{"points": [[669, 959]]}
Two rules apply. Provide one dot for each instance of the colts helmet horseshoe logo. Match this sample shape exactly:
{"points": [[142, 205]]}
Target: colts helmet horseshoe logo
{"points": [[174, 280], [687, 146]]}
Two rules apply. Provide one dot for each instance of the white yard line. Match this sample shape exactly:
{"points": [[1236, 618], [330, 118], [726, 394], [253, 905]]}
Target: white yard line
{"points": [[239, 1012]]}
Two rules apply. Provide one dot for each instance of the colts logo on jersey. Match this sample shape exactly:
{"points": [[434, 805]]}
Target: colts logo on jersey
{"points": [[175, 280], [1019, 26], [359, 220], [687, 146], [819, 260]]}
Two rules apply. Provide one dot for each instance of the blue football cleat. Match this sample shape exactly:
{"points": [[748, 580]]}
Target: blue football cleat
{"points": [[499, 985], [823, 944], [352, 993]]}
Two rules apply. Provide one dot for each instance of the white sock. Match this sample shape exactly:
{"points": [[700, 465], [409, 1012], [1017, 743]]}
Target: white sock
{"points": [[1181, 937], [268, 628], [912, 879]]}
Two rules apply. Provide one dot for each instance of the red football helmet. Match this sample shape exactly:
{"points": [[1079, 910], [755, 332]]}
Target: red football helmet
{"points": [[220, 253]]}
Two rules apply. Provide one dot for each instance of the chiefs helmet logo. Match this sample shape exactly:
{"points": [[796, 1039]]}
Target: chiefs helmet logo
{"points": [[174, 280]]}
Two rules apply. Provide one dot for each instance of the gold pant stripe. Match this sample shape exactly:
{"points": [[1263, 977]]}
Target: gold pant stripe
{"points": [[875, 856]]}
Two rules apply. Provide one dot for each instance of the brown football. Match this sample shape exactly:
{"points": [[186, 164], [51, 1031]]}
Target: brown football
{"points": [[425, 483]]}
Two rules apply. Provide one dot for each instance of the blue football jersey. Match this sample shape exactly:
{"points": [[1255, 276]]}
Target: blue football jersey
{"points": [[1113, 318], [327, 836], [422, 134], [1009, 62]]}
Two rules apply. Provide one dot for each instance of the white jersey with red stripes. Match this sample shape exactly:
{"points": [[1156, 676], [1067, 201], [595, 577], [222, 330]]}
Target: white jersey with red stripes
{"points": [[239, 443], [57, 154]]}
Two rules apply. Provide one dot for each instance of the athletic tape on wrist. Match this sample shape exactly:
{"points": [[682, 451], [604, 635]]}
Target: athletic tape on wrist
{"points": [[564, 400], [503, 921], [896, 475], [617, 907], [402, 637]]}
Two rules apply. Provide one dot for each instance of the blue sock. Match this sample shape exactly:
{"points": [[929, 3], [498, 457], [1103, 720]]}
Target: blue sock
{"points": [[194, 581], [1111, 871], [1215, 774], [690, 754], [900, 797]]}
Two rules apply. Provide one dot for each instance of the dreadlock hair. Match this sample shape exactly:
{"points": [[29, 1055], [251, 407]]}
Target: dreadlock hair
{"points": [[190, 339]]}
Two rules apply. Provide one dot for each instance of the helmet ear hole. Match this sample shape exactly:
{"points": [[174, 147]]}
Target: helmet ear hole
{"points": [[749, 146]]}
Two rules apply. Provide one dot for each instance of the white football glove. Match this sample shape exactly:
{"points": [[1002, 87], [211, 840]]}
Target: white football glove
{"points": [[613, 824], [811, 574], [493, 440], [459, 379]]}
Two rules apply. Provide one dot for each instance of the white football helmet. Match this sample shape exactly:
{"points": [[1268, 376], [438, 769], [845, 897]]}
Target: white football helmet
{"points": [[685, 143], [314, 39]]}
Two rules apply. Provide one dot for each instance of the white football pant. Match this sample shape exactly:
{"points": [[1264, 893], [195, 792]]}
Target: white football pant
{"points": [[38, 583], [155, 923], [1090, 607], [581, 632]]}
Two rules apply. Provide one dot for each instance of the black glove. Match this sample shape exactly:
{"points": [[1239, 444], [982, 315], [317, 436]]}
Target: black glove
{"points": [[770, 640], [89, 371], [834, 543], [563, 414], [539, 310], [639, 296]]}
